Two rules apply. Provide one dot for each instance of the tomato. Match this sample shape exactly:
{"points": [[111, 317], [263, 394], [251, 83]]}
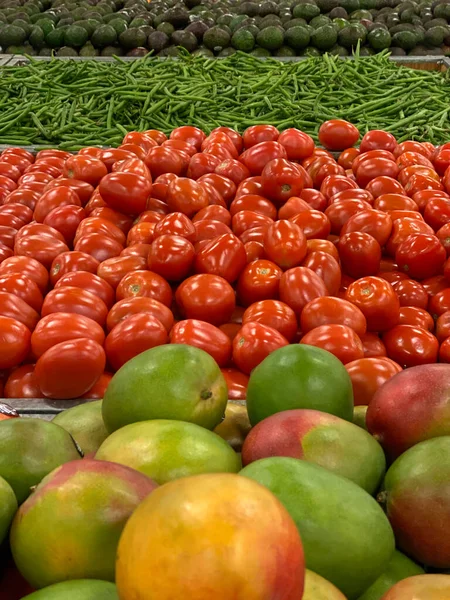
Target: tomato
{"points": [[148, 216], [338, 339], [44, 249], [135, 334], [85, 168], [254, 203], [66, 220], [22, 212], [112, 155], [410, 146], [253, 343], [251, 185], [144, 283], [139, 305], [205, 336], [206, 297], [254, 234], [443, 235], [360, 254], [260, 133], [376, 223], [298, 145], [23, 287], [99, 225], [340, 212], [333, 184], [444, 351], [293, 207], [176, 224], [223, 185], [257, 156], [123, 222], [338, 134], [72, 261], [328, 310], [15, 345], [140, 139], [237, 383], [171, 256], [368, 375], [373, 345], [274, 314], [377, 300], [402, 214], [213, 213], [200, 164], [412, 315], [443, 326], [384, 185], [164, 160], [218, 140], [22, 383], [23, 196], [313, 198], [439, 303], [90, 282], [141, 250], [437, 212], [300, 285], [83, 189], [254, 251], [98, 390], [248, 219], [402, 229], [378, 140], [125, 192], [434, 285], [313, 223], [259, 280], [210, 230], [99, 246], [411, 293], [10, 171], [40, 230], [224, 256], [186, 196], [72, 299], [347, 157], [133, 165], [61, 327], [69, 369], [317, 245], [191, 135], [281, 180], [212, 194], [7, 184], [327, 268], [156, 135], [410, 346], [375, 167], [96, 201], [141, 233], [234, 136], [230, 168], [28, 267], [421, 255], [351, 194], [442, 160], [285, 244], [420, 182]]}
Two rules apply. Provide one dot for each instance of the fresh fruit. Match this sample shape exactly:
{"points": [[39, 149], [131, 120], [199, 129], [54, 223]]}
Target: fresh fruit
{"points": [[220, 527], [85, 425], [70, 527], [299, 376], [168, 382], [235, 426], [165, 450], [8, 507], [334, 513], [318, 588], [81, 589], [420, 587]]}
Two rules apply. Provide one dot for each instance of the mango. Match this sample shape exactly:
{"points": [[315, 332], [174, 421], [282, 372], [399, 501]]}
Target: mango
{"points": [[8, 507], [421, 587], [318, 588], [81, 589], [85, 425]]}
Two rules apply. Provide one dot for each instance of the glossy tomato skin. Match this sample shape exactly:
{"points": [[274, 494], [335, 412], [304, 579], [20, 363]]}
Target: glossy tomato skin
{"points": [[224, 256], [421, 256], [20, 211], [205, 336], [402, 229], [340, 340], [368, 375], [411, 293], [298, 145], [113, 270], [99, 246], [66, 220], [209, 229], [54, 198], [377, 300], [136, 305], [72, 261], [256, 157], [254, 343], [285, 244], [61, 327], [376, 223], [375, 167], [22, 383], [327, 268], [70, 369], [275, 314], [100, 225], [443, 327], [206, 297], [384, 185], [171, 256], [189, 134], [176, 224], [281, 179], [164, 160], [437, 212], [338, 134], [378, 140], [83, 189], [439, 303], [328, 310], [360, 254], [259, 133], [123, 222], [313, 223], [14, 307], [186, 196], [26, 266], [141, 233], [255, 203], [237, 383], [15, 345], [200, 164], [130, 337], [90, 282], [419, 317], [340, 211], [75, 300], [23, 287], [410, 346], [300, 285], [44, 249], [319, 245], [125, 192], [260, 280], [144, 283], [296, 205], [231, 168]]}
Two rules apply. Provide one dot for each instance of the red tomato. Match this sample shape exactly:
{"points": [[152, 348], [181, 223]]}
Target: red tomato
{"points": [[224, 256], [410, 146], [136, 334], [248, 219], [125, 192], [410, 346], [10, 171], [22, 383], [28, 267], [22, 212], [368, 375], [251, 185], [8, 236], [98, 390], [254, 251], [317, 245], [15, 345], [347, 157], [384, 185], [164, 160], [72, 299], [254, 234], [70, 369], [191, 135], [274, 314], [83, 189], [443, 326], [434, 285], [133, 165], [313, 198], [328, 310], [254, 203], [176, 224], [313, 223], [360, 254], [230, 168], [85, 168], [213, 213], [171, 256], [113, 270], [40, 230], [327, 268], [256, 157], [140, 139], [200, 164], [338, 134], [260, 133], [206, 297], [285, 244], [443, 235], [210, 230], [99, 225], [412, 315], [66, 220], [205, 336], [139, 305], [141, 233], [23, 287], [352, 194], [259, 280], [300, 285], [234, 136], [375, 167], [437, 212], [253, 343], [421, 256], [293, 207], [91, 283], [186, 196], [224, 185], [44, 249], [373, 346], [298, 145], [72, 261], [237, 383], [376, 223], [376, 140], [444, 351], [340, 340], [141, 250], [402, 229], [281, 180], [144, 283], [61, 327], [439, 303], [99, 246], [340, 212], [377, 300], [411, 293], [333, 184], [123, 222]]}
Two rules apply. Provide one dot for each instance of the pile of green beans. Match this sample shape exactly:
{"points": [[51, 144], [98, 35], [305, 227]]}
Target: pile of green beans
{"points": [[71, 104]]}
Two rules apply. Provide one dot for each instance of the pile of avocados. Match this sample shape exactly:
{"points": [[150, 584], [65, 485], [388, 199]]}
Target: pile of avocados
{"points": [[283, 28]]}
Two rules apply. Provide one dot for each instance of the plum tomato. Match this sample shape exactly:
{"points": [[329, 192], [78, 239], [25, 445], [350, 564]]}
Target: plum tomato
{"points": [[421, 256], [206, 297], [224, 256], [205, 336], [275, 314], [360, 254], [260, 280], [171, 256], [368, 375], [410, 346], [328, 310], [377, 300], [340, 340], [285, 244], [300, 285], [253, 343], [338, 135]]}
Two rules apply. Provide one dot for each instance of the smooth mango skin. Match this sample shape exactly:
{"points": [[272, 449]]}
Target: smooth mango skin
{"points": [[174, 381], [417, 498], [69, 528], [318, 588], [210, 537], [320, 438], [346, 536], [81, 589], [421, 587], [400, 567], [85, 424], [235, 427], [166, 450], [299, 376], [8, 507], [359, 416], [29, 450]]}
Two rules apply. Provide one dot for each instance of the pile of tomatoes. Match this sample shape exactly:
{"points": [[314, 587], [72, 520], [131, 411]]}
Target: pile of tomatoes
{"points": [[235, 244]]}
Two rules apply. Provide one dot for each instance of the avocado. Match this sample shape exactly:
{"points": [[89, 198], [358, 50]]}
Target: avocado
{"points": [[351, 35], [157, 41], [119, 25], [340, 24], [320, 21], [89, 26], [297, 37], [405, 40], [442, 11], [294, 23], [55, 38], [37, 38], [226, 52], [338, 13], [10, 35], [216, 39], [243, 40], [379, 39], [251, 9], [260, 52], [66, 51], [75, 36], [326, 6], [45, 24], [198, 28], [23, 25], [285, 51], [166, 27], [236, 21], [306, 11], [185, 39], [111, 51], [324, 38], [270, 38], [435, 36], [104, 35], [202, 51], [131, 38], [435, 23], [337, 50], [88, 50]]}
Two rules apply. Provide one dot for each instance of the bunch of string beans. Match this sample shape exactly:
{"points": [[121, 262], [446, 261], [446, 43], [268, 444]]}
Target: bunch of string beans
{"points": [[71, 104]]}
